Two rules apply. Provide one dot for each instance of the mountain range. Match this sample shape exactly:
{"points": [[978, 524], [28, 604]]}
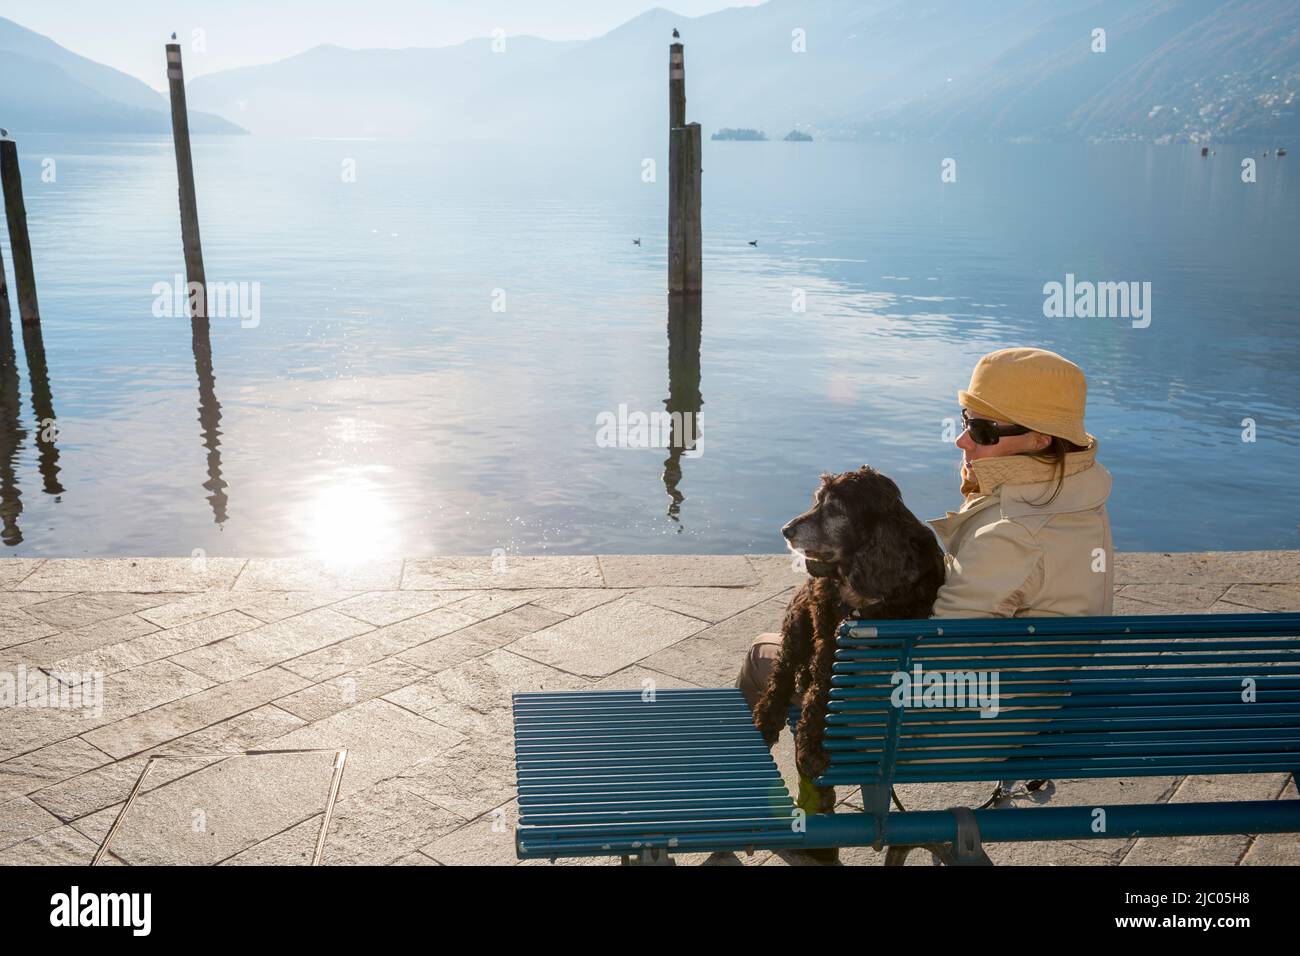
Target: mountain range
{"points": [[1159, 70], [46, 88]]}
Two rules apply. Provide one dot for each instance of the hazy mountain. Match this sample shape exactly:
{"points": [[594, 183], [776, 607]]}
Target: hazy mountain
{"points": [[45, 88], [1171, 70], [999, 69], [333, 92]]}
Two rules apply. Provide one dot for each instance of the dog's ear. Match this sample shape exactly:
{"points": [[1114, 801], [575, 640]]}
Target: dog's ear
{"points": [[887, 563]]}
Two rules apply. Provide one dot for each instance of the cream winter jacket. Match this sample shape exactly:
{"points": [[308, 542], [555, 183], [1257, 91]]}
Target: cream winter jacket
{"points": [[1010, 557]]}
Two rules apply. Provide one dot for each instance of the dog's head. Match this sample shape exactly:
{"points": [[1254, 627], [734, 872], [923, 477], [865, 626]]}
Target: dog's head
{"points": [[859, 530], [846, 509]]}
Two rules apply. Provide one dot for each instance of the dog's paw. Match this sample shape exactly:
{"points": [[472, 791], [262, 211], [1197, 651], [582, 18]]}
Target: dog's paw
{"points": [[812, 766]]}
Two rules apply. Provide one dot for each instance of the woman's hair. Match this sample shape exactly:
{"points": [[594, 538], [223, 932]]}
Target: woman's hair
{"points": [[1054, 454]]}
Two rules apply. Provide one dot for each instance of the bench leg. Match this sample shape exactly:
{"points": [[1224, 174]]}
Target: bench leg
{"points": [[897, 855], [966, 850], [649, 856]]}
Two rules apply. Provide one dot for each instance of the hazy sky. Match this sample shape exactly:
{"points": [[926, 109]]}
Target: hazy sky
{"points": [[125, 33]]}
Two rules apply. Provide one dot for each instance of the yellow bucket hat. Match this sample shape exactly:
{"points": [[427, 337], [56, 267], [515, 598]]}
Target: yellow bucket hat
{"points": [[1031, 387]]}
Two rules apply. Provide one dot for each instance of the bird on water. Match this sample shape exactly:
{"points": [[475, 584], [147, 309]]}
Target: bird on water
{"points": [[636, 241]]}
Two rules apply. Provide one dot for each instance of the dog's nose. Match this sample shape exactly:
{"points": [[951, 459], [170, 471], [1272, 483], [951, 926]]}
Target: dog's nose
{"points": [[787, 530]]}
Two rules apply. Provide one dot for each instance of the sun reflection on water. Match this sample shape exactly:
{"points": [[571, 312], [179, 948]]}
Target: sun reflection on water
{"points": [[351, 520]]}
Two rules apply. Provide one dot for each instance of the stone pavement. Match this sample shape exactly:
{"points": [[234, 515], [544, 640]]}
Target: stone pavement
{"points": [[410, 665]]}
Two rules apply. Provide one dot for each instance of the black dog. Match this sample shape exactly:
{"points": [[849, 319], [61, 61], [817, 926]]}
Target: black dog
{"points": [[870, 558]]}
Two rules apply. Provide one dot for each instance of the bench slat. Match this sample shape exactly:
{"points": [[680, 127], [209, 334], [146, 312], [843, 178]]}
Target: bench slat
{"points": [[613, 772]]}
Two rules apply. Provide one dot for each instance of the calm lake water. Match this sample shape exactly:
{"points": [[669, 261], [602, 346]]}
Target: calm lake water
{"points": [[435, 342]]}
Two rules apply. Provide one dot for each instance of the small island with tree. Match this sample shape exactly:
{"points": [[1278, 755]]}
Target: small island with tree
{"points": [[743, 135], [794, 136]]}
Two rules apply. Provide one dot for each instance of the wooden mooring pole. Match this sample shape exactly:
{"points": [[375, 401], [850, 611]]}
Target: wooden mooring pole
{"points": [[19, 244], [4, 293], [685, 266], [676, 86], [197, 282]]}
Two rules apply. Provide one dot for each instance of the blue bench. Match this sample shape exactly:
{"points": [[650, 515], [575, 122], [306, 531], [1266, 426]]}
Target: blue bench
{"points": [[649, 774]]}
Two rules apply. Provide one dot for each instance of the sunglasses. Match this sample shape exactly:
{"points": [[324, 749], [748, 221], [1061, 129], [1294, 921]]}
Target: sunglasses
{"points": [[984, 431]]}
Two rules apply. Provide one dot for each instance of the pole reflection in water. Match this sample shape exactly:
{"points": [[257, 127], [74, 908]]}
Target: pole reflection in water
{"points": [[47, 429], [12, 434], [209, 416], [684, 400]]}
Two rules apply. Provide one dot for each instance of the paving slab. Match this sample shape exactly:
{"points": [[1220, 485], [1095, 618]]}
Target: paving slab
{"points": [[1175, 598], [381, 608], [214, 813], [299, 574], [124, 695], [607, 638], [488, 840], [381, 738], [468, 780], [573, 601], [1264, 597], [478, 639], [503, 572], [146, 575], [374, 828], [706, 603], [683, 570], [63, 644], [474, 697], [195, 712], [70, 611], [107, 785], [47, 766], [780, 571], [13, 571], [416, 859], [1207, 567], [60, 847], [18, 627], [158, 644], [486, 604], [1201, 850], [356, 652], [21, 819], [89, 793], [270, 644], [737, 633], [340, 693]]}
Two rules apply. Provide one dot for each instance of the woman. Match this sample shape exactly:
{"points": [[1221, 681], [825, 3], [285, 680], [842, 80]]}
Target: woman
{"points": [[1032, 536]]}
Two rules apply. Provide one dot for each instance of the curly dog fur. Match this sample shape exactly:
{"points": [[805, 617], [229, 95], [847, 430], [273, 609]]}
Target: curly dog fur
{"points": [[879, 562]]}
